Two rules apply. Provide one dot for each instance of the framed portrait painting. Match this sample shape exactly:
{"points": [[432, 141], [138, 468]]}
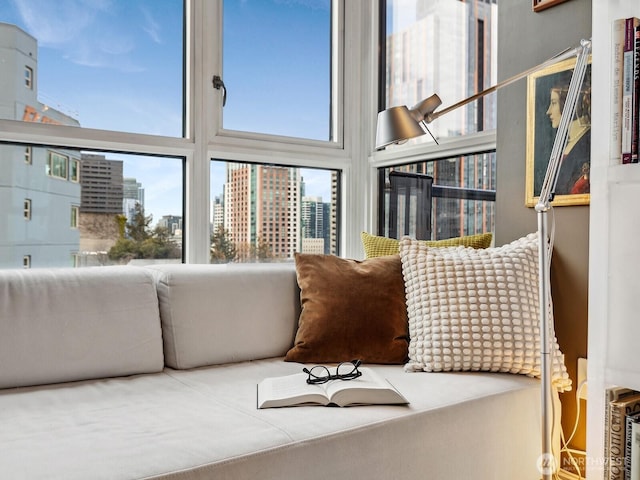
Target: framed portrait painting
{"points": [[539, 5], [546, 92]]}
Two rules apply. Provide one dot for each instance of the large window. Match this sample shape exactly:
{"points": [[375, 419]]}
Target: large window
{"points": [[277, 68], [114, 65], [121, 208], [122, 100], [267, 213], [447, 47], [463, 195]]}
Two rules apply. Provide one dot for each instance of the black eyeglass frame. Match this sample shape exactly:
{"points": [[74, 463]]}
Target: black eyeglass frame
{"points": [[325, 375]]}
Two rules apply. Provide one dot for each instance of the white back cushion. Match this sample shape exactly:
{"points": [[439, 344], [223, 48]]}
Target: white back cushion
{"points": [[214, 314], [59, 325]]}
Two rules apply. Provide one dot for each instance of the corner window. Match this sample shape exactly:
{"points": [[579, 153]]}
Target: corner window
{"points": [[462, 198], [449, 48], [446, 47]]}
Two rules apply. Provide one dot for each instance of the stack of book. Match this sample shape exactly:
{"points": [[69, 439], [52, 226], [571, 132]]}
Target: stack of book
{"points": [[622, 435], [625, 99]]}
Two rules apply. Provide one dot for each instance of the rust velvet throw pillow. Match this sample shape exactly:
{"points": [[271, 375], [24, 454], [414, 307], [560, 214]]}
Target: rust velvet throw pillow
{"points": [[351, 309]]}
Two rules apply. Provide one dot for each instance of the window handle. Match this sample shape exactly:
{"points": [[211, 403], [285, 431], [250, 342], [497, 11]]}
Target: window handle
{"points": [[219, 84]]}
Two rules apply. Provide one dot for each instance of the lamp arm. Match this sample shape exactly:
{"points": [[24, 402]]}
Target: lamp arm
{"points": [[563, 55]]}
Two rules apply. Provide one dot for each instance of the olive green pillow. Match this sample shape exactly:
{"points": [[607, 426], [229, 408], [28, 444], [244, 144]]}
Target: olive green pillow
{"points": [[375, 246]]}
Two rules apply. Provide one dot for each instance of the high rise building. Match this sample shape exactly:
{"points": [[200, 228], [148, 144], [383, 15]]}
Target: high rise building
{"points": [[217, 213], [334, 218], [39, 186], [100, 207], [315, 219], [262, 210], [172, 223], [102, 184], [132, 195]]}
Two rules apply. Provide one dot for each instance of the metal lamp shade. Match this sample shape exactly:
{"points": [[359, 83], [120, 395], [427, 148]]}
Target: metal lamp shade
{"points": [[396, 125]]}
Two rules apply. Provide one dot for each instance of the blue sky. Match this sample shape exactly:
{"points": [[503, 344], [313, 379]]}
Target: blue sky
{"points": [[117, 65]]}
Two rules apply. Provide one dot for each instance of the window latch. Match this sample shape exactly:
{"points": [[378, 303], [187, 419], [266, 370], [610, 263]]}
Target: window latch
{"points": [[219, 84]]}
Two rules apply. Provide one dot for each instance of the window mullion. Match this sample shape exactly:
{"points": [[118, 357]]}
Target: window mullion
{"points": [[199, 67]]}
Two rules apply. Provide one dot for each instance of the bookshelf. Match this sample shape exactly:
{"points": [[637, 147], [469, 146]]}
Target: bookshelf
{"points": [[614, 259]]}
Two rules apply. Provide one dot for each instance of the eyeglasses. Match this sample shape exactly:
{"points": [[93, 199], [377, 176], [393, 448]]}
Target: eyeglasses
{"points": [[321, 374]]}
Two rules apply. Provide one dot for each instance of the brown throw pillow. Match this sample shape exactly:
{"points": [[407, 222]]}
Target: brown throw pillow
{"points": [[350, 309]]}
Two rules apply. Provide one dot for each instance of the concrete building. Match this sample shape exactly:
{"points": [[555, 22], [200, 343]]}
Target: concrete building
{"points": [[39, 187], [262, 209], [102, 184], [100, 207]]}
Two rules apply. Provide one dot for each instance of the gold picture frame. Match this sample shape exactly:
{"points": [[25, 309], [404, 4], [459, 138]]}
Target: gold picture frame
{"points": [[539, 5], [546, 91]]}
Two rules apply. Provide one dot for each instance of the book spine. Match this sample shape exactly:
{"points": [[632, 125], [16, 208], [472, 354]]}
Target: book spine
{"points": [[635, 452], [620, 412], [616, 89], [616, 434], [636, 96], [611, 395], [627, 89], [628, 443]]}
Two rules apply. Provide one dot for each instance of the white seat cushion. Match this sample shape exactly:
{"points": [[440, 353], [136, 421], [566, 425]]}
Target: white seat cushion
{"points": [[203, 424]]}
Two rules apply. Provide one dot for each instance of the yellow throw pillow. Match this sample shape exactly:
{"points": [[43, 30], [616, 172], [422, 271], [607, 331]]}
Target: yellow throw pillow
{"points": [[375, 246]]}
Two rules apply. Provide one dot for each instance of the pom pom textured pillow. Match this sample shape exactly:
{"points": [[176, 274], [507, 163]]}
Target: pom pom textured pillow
{"points": [[476, 310], [375, 246], [350, 310]]}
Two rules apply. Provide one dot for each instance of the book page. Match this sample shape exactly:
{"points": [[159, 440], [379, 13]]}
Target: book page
{"points": [[289, 390], [369, 388]]}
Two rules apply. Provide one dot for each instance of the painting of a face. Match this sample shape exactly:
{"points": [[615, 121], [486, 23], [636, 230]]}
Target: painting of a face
{"points": [[553, 112]]}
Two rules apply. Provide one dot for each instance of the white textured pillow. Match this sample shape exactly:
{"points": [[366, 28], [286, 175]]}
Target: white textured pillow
{"points": [[476, 310]]}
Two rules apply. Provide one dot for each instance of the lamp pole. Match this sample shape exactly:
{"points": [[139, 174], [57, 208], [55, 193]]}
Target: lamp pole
{"points": [[545, 248]]}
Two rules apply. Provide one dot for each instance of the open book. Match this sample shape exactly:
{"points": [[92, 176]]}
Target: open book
{"points": [[291, 390]]}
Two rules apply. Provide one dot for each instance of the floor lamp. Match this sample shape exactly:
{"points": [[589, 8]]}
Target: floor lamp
{"points": [[398, 124]]}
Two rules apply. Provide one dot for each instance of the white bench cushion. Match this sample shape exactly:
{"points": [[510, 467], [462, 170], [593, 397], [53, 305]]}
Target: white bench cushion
{"points": [[61, 325], [214, 314]]}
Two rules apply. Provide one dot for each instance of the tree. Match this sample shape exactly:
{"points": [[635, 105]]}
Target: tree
{"points": [[143, 242], [223, 249], [263, 251], [138, 228]]}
